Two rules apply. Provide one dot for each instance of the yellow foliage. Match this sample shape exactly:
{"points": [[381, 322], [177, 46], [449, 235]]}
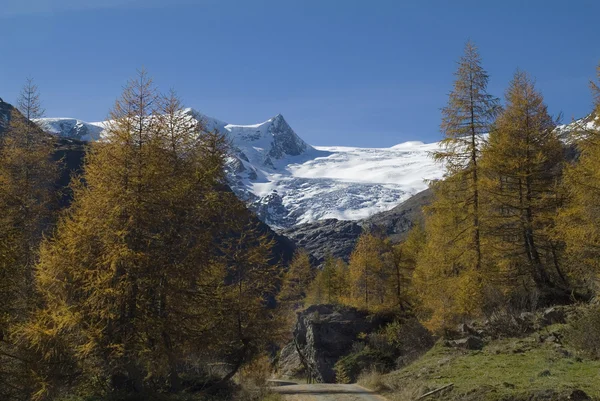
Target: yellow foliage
{"points": [[579, 220], [156, 262]]}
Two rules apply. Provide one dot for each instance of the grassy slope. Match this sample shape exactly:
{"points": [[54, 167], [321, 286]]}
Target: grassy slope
{"points": [[506, 369]]}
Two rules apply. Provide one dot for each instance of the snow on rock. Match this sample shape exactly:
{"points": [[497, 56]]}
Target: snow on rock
{"points": [[288, 182], [569, 132], [71, 128]]}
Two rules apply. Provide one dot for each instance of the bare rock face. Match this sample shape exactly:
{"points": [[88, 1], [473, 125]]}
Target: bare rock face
{"points": [[326, 237], [5, 112], [289, 364], [285, 140], [323, 334], [338, 237]]}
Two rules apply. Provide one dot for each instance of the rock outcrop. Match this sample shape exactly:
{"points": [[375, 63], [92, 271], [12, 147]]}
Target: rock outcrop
{"points": [[326, 237], [323, 334]]}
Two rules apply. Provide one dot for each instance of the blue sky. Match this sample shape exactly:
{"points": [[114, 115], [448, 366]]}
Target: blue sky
{"points": [[342, 72]]}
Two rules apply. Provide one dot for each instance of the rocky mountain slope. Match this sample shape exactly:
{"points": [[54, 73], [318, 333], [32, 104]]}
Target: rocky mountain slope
{"points": [[338, 237], [5, 111]]}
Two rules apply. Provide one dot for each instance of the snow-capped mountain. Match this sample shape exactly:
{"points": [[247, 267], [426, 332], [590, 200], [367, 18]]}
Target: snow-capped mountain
{"points": [[288, 182], [71, 128]]}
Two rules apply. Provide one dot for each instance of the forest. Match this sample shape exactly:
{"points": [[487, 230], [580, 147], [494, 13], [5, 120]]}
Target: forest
{"points": [[153, 281]]}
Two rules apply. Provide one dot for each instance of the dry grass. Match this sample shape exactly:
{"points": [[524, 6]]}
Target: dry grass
{"points": [[373, 380]]}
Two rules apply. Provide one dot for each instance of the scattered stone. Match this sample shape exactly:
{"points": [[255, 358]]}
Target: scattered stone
{"points": [[471, 343], [579, 395], [465, 329], [527, 316], [545, 373]]}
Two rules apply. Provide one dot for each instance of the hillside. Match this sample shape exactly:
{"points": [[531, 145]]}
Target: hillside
{"points": [[537, 361]]}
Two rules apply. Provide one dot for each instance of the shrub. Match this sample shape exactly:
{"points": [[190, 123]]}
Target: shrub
{"points": [[410, 340], [584, 335], [352, 365]]}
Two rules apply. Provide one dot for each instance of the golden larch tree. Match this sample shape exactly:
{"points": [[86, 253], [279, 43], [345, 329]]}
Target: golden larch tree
{"points": [[449, 274], [522, 165], [579, 220], [28, 177]]}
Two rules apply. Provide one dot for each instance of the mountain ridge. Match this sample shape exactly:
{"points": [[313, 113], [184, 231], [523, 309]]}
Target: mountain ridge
{"points": [[287, 182]]}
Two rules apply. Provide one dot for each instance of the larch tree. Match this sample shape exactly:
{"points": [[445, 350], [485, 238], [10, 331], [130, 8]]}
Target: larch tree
{"points": [[129, 285], [467, 117], [246, 323], [453, 257], [368, 273], [579, 220], [296, 280], [522, 165], [27, 179]]}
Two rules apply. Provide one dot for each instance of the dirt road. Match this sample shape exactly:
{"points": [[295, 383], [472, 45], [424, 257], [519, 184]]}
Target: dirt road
{"points": [[326, 392]]}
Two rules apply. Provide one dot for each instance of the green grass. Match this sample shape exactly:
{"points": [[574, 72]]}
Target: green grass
{"points": [[505, 369]]}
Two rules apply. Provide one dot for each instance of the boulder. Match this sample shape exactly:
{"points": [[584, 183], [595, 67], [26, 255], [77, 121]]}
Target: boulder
{"points": [[322, 335], [470, 342]]}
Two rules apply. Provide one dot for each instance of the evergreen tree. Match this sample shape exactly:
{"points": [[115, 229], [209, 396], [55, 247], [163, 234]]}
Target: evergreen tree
{"points": [[522, 164], [330, 285], [402, 261], [245, 325], [330, 280]]}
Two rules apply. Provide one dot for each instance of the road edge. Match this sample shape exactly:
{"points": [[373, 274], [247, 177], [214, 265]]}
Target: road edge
{"points": [[376, 394]]}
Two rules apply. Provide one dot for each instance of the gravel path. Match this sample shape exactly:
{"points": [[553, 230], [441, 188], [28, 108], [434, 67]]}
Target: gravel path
{"points": [[326, 392]]}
